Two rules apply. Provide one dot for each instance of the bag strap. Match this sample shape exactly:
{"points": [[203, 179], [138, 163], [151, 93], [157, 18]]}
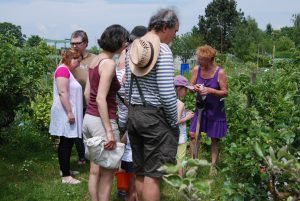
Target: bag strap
{"points": [[121, 98]]}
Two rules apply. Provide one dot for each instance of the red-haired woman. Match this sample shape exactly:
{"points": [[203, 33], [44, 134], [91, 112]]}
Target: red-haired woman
{"points": [[66, 110]]}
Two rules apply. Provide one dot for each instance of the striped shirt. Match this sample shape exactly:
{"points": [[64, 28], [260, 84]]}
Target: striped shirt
{"points": [[122, 109], [157, 86]]}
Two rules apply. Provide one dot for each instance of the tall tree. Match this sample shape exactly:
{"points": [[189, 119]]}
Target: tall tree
{"points": [[184, 46], [284, 43], [269, 29], [288, 32], [34, 41], [297, 29], [245, 39], [218, 23], [12, 33]]}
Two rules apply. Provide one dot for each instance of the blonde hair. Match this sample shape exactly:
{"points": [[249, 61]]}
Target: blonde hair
{"points": [[69, 54], [206, 51]]}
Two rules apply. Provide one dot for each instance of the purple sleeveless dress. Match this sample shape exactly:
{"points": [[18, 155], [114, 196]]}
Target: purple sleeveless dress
{"points": [[213, 119]]}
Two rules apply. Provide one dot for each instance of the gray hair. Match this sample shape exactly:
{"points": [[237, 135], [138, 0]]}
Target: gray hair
{"points": [[82, 34], [163, 18]]}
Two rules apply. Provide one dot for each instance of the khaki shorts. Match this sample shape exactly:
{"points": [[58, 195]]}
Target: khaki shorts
{"points": [[181, 153], [92, 127]]}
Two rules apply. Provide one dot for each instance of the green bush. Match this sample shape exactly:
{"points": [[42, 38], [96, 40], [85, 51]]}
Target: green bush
{"points": [[270, 119], [22, 71], [41, 106]]}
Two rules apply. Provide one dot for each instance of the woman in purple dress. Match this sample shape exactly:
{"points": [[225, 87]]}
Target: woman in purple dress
{"points": [[210, 83]]}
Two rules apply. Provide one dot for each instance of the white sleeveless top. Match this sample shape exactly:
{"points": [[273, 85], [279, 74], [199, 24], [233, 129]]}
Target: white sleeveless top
{"points": [[59, 124], [182, 130]]}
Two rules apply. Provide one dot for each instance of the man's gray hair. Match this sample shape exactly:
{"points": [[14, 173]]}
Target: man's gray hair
{"points": [[163, 18], [82, 34]]}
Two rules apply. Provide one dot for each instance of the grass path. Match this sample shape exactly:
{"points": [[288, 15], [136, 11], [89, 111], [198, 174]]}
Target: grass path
{"points": [[29, 172]]}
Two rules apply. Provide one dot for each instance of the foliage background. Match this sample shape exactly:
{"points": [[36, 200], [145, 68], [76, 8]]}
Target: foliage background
{"points": [[263, 107]]}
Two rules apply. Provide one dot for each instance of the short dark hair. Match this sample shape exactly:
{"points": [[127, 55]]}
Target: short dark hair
{"points": [[113, 38], [163, 18], [82, 34], [137, 32]]}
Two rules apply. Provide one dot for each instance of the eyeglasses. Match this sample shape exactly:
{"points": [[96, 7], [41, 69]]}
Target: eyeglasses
{"points": [[76, 43]]}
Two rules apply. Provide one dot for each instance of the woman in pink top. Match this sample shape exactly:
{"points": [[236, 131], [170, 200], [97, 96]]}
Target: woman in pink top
{"points": [[101, 113], [66, 110]]}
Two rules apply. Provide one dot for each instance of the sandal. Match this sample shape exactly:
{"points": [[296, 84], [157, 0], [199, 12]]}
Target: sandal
{"points": [[81, 162], [70, 180]]}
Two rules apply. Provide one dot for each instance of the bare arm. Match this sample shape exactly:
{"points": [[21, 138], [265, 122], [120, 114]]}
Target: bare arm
{"points": [[188, 115], [87, 91], [107, 72], [180, 109], [63, 92], [194, 75], [194, 78], [222, 92]]}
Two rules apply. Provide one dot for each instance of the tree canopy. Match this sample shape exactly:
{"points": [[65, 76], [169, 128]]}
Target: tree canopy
{"points": [[297, 28], [217, 25], [184, 46], [34, 41], [12, 33]]}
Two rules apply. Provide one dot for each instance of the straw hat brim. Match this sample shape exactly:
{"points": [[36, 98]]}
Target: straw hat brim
{"points": [[141, 71]]}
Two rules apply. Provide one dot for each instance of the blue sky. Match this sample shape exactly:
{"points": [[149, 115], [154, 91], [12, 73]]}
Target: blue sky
{"points": [[57, 19]]}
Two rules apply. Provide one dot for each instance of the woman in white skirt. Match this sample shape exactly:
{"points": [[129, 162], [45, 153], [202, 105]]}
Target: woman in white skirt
{"points": [[66, 110]]}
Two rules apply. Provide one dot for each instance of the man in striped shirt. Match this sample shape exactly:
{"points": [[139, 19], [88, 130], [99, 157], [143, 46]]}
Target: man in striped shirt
{"points": [[152, 116]]}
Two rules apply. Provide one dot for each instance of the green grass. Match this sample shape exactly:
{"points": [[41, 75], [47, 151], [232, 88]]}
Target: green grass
{"points": [[29, 171]]}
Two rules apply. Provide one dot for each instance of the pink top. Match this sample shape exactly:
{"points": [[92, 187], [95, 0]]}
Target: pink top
{"points": [[62, 71]]}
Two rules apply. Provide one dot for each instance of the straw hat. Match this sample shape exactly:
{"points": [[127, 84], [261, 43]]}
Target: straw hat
{"points": [[143, 54]]}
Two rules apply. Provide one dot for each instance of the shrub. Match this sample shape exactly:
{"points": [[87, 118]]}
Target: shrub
{"points": [[22, 70], [41, 106], [271, 119]]}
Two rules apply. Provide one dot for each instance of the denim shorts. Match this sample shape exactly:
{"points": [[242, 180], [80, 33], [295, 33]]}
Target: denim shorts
{"points": [[127, 166], [153, 141]]}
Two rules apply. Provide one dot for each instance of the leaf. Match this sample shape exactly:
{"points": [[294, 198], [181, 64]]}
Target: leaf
{"points": [[282, 152], [187, 181], [192, 172], [182, 188], [287, 96], [197, 162], [170, 169], [258, 150], [272, 153], [203, 186], [173, 180]]}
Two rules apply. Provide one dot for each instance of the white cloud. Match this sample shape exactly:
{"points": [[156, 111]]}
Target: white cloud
{"points": [[57, 19], [42, 29]]}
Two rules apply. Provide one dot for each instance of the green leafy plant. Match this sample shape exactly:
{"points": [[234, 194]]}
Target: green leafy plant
{"points": [[40, 106], [283, 171], [189, 186], [23, 71], [272, 119]]}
